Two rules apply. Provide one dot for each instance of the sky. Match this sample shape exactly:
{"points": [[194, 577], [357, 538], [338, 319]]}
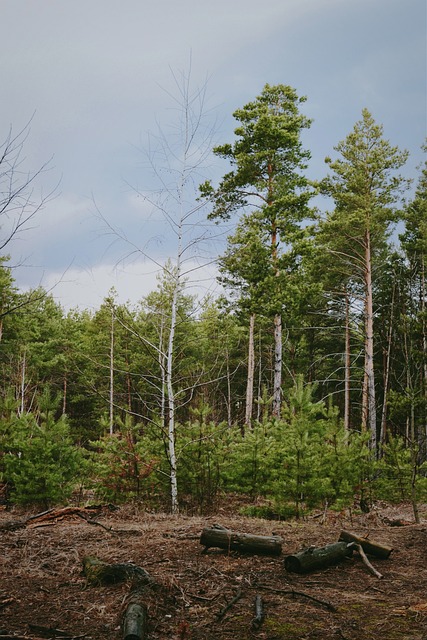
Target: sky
{"points": [[97, 80]]}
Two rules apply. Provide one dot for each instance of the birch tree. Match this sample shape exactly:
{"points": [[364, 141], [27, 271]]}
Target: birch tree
{"points": [[176, 158]]}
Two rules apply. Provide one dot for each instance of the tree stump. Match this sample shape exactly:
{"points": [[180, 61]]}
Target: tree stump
{"points": [[217, 536], [318, 558]]}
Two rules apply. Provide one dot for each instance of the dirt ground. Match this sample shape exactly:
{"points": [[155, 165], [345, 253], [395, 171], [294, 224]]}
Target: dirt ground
{"points": [[43, 589]]}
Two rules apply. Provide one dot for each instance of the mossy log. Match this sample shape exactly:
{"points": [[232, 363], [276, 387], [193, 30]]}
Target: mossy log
{"points": [[314, 558], [368, 546], [101, 573], [217, 536]]}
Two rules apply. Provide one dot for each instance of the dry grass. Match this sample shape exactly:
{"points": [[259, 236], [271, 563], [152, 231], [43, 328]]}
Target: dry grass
{"points": [[42, 582]]}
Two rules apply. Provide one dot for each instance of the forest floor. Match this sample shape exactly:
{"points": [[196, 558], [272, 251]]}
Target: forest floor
{"points": [[43, 589]]}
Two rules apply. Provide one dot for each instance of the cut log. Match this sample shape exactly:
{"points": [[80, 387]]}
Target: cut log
{"points": [[102, 573], [259, 613], [369, 547], [318, 558], [135, 622], [243, 542]]}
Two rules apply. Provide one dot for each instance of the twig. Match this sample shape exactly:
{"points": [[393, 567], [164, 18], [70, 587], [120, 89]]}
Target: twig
{"points": [[50, 632], [292, 592], [95, 522], [228, 606], [40, 515], [5, 602]]}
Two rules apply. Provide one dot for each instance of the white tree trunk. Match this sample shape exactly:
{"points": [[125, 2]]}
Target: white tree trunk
{"points": [[369, 346], [112, 373], [171, 406], [251, 371], [23, 383], [424, 330], [229, 392], [277, 381]]}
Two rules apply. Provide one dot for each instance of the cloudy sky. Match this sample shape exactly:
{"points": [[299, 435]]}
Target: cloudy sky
{"points": [[96, 77]]}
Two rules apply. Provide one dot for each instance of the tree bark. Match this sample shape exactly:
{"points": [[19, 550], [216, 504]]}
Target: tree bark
{"points": [[314, 558], [244, 542]]}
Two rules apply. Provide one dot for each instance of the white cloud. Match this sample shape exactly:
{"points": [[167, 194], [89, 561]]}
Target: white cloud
{"points": [[87, 289]]}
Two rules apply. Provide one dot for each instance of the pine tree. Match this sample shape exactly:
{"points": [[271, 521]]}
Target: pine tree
{"points": [[267, 180], [366, 192]]}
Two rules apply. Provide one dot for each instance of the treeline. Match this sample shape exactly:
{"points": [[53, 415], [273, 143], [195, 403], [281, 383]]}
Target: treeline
{"points": [[306, 383]]}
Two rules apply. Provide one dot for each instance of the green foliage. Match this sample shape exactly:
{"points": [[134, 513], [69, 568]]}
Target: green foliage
{"points": [[304, 459], [41, 463], [400, 472], [203, 452], [251, 464], [123, 463]]}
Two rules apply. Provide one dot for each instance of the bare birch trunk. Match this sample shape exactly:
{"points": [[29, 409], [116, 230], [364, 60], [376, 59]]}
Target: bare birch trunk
{"points": [[251, 371], [369, 354], [22, 390], [424, 338], [277, 381], [229, 401], [112, 373], [64, 395], [171, 402], [161, 360]]}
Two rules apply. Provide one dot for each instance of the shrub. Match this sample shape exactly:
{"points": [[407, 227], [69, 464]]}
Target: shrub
{"points": [[41, 464]]}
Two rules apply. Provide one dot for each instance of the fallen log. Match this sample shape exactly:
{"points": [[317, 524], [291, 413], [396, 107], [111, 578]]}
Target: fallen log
{"points": [[318, 558], [135, 622], [259, 613], [244, 542], [98, 572], [369, 547]]}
